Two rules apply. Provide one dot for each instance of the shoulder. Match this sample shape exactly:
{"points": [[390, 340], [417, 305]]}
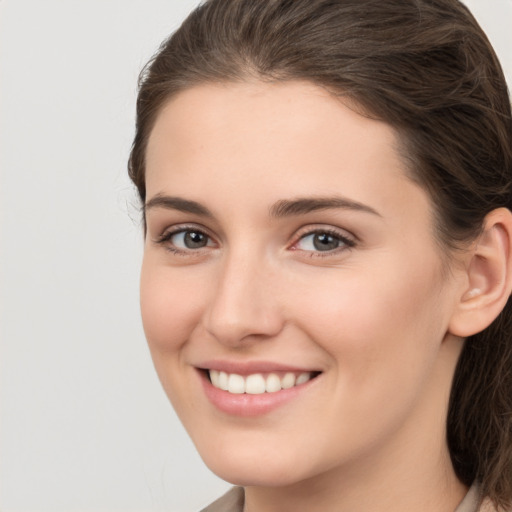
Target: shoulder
{"points": [[474, 501], [232, 501]]}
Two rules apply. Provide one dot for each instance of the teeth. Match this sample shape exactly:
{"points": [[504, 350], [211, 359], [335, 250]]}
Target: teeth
{"points": [[256, 383], [236, 384], [288, 381], [214, 377], [303, 378], [223, 381], [273, 383]]}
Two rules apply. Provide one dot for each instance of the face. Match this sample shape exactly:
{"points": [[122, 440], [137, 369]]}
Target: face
{"points": [[293, 297]]}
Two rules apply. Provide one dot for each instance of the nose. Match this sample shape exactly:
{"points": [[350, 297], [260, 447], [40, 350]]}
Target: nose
{"points": [[244, 305]]}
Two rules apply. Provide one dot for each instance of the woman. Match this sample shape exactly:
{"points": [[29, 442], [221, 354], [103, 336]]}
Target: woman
{"points": [[326, 191]]}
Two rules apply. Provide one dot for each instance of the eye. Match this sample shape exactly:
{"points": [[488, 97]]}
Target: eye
{"points": [[189, 239], [323, 241], [185, 239]]}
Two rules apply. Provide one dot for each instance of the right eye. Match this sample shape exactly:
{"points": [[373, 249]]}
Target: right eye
{"points": [[185, 240], [190, 239]]}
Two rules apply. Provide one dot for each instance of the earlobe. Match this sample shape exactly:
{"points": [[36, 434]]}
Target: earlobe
{"points": [[489, 276]]}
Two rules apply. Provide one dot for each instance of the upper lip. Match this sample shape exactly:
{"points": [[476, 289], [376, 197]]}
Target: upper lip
{"points": [[251, 367]]}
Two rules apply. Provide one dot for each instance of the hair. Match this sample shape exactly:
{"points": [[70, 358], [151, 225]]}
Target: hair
{"points": [[426, 68]]}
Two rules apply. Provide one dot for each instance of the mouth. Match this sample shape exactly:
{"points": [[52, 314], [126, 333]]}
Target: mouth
{"points": [[258, 383], [255, 388]]}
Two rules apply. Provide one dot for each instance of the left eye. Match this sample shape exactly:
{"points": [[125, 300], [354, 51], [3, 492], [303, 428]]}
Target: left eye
{"points": [[322, 241], [190, 239]]}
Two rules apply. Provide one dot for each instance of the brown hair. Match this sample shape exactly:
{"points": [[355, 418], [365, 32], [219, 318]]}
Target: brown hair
{"points": [[426, 68]]}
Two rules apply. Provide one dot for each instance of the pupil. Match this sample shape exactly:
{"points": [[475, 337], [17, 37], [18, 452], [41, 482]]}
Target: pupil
{"points": [[325, 242], [195, 240]]}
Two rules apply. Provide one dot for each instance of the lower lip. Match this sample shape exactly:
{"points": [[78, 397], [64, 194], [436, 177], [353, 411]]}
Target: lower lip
{"points": [[245, 404]]}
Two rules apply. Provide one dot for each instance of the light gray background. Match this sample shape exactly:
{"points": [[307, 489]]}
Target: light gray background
{"points": [[84, 423]]}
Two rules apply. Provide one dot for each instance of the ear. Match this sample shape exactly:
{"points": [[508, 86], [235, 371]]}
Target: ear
{"points": [[488, 279]]}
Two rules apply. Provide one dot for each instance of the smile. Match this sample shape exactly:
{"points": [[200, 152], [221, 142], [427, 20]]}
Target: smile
{"points": [[257, 383], [254, 388]]}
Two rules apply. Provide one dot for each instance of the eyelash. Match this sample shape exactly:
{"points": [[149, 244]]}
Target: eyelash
{"points": [[165, 238], [345, 241]]}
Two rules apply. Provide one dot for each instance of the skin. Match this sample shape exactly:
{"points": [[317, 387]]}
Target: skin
{"points": [[372, 315]]}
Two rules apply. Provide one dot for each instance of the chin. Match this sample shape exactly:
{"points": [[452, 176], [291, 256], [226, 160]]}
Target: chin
{"points": [[257, 467], [256, 474]]}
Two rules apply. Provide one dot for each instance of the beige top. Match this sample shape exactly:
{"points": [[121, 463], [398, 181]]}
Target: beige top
{"points": [[233, 501]]}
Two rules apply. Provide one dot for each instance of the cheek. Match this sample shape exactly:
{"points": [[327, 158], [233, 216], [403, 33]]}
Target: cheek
{"points": [[383, 337], [384, 324], [171, 306]]}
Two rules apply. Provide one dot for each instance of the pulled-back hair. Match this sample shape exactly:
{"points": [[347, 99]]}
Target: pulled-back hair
{"points": [[424, 67]]}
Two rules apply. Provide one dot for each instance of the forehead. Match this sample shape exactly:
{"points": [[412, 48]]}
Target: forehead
{"points": [[266, 142], [294, 107]]}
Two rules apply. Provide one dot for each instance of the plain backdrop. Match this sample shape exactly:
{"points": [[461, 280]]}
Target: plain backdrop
{"points": [[85, 425]]}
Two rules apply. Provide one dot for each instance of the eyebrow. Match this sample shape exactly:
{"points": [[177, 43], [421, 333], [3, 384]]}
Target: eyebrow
{"points": [[304, 205], [177, 203], [282, 208]]}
